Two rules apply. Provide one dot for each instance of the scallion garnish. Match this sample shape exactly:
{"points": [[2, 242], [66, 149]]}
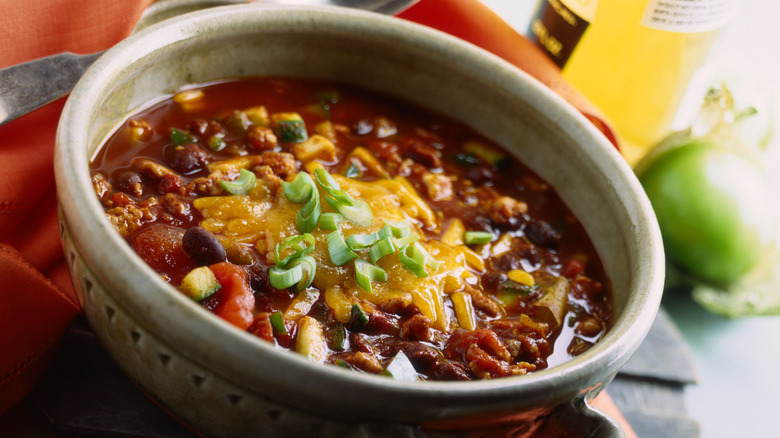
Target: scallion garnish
{"points": [[301, 190], [242, 185], [300, 273], [277, 323], [398, 229], [357, 212], [406, 240], [282, 278], [477, 237], [365, 273], [413, 260], [309, 216], [340, 254], [300, 245], [381, 248], [309, 265], [330, 221]]}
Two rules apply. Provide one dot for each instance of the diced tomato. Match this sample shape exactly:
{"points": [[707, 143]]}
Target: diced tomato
{"points": [[573, 268], [236, 300]]}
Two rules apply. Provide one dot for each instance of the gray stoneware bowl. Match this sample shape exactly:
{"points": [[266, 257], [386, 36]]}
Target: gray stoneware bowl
{"points": [[224, 382]]}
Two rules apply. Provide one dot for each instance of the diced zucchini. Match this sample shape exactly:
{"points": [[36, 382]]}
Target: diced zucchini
{"points": [[358, 318], [401, 368], [200, 283], [337, 335], [311, 342], [289, 127]]}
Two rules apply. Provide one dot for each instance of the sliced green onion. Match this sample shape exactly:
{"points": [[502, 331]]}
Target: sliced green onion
{"points": [[359, 214], [477, 237], [309, 266], [216, 143], [406, 240], [358, 318], [303, 189], [413, 260], [360, 241], [340, 254], [309, 216], [429, 261], [330, 221], [179, 137], [326, 181], [277, 323], [381, 248], [300, 245], [242, 185], [282, 278], [398, 229], [365, 273], [300, 189]]}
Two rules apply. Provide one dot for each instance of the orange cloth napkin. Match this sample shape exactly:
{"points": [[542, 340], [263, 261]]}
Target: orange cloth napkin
{"points": [[36, 298], [37, 301]]}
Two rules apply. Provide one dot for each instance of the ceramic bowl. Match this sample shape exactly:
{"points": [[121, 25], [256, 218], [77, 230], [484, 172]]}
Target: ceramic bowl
{"points": [[224, 382]]}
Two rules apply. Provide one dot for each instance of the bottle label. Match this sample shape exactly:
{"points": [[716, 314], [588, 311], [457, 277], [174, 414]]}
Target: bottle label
{"points": [[688, 16], [559, 24]]}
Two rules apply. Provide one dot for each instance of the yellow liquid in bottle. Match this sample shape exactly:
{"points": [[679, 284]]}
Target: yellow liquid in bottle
{"points": [[637, 75]]}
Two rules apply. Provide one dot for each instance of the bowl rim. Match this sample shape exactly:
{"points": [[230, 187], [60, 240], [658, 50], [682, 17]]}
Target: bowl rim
{"points": [[595, 367]]}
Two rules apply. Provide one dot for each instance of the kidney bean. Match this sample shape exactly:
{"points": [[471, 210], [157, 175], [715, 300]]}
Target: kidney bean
{"points": [[203, 246], [130, 182], [187, 158]]}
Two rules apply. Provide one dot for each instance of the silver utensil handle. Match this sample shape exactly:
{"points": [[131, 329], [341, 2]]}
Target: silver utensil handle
{"points": [[31, 85]]}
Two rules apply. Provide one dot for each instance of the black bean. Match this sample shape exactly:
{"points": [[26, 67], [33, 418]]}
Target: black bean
{"points": [[508, 261], [542, 234], [203, 247]]}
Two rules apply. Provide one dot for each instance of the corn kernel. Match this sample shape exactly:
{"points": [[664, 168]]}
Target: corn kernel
{"points": [[522, 277]]}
